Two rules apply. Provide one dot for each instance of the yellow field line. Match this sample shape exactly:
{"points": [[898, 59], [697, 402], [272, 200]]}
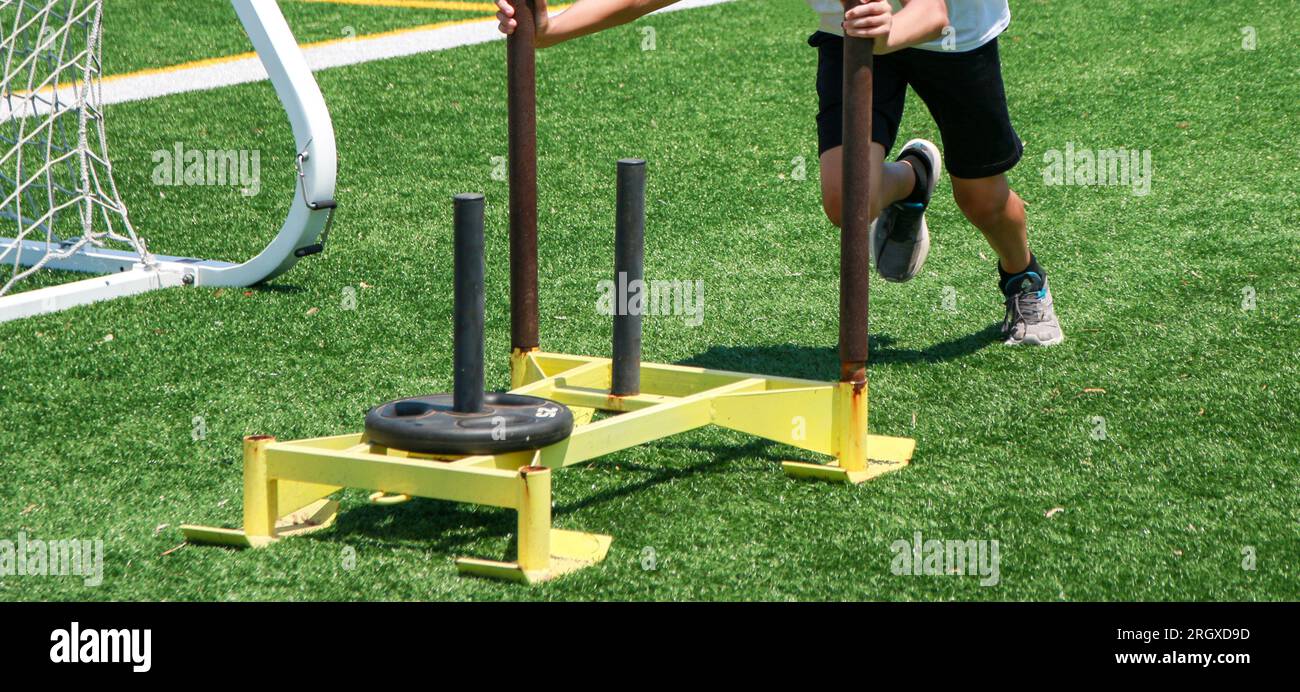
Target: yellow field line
{"points": [[208, 62], [454, 5]]}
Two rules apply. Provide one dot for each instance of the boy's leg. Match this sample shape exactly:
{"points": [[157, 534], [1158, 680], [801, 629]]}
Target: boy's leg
{"points": [[900, 190], [998, 212], [900, 235], [965, 94], [890, 181], [993, 207]]}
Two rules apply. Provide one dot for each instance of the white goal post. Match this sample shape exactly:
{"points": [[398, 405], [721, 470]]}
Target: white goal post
{"points": [[55, 173]]}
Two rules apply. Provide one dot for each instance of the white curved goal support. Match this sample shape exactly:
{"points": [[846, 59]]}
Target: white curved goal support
{"points": [[57, 194]]}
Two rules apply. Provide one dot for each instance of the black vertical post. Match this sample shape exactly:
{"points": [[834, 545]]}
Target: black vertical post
{"points": [[521, 106], [629, 267], [467, 390], [855, 250]]}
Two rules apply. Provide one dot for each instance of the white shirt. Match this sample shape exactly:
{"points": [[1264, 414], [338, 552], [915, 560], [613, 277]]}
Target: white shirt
{"points": [[972, 23]]}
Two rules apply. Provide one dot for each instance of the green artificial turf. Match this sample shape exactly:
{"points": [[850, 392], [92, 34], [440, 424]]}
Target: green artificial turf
{"points": [[147, 34], [1197, 469]]}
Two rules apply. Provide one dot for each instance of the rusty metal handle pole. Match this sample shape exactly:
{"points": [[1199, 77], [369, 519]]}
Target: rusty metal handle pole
{"points": [[855, 250], [521, 67]]}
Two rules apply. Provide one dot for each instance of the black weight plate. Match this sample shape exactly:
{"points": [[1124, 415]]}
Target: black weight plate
{"points": [[507, 423]]}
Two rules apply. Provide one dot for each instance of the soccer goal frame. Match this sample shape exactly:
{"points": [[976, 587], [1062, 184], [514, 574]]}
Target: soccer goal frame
{"points": [[303, 233]]}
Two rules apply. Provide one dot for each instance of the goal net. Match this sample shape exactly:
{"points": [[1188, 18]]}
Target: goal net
{"points": [[57, 194], [59, 206]]}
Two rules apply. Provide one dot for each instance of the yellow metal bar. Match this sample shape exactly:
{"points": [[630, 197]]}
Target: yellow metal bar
{"points": [[556, 364], [228, 538], [586, 375], [508, 461], [859, 455], [798, 417], [286, 485], [851, 426], [582, 415], [291, 496], [539, 388], [524, 368], [260, 505], [689, 376], [316, 516], [670, 380], [888, 453], [534, 537], [331, 442], [420, 478], [639, 427], [570, 551], [884, 454], [602, 400]]}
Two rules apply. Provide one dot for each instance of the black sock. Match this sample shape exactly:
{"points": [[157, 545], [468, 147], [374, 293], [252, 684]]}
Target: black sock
{"points": [[921, 168], [1005, 277]]}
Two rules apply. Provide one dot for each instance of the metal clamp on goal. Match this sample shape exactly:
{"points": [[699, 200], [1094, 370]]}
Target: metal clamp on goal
{"points": [[325, 205], [298, 162]]}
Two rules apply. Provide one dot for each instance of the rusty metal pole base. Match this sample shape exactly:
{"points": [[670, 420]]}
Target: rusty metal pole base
{"points": [[859, 456]]}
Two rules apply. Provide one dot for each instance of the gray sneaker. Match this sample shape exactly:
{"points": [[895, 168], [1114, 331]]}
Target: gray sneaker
{"points": [[900, 238], [1030, 318]]}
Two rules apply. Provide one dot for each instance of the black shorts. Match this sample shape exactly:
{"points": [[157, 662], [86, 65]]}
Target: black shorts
{"points": [[963, 91]]}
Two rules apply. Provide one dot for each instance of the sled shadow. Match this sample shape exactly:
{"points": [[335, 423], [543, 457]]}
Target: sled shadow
{"points": [[822, 362], [448, 527]]}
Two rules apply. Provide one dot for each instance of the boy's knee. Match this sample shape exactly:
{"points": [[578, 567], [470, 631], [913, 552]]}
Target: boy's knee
{"points": [[833, 205], [982, 207]]}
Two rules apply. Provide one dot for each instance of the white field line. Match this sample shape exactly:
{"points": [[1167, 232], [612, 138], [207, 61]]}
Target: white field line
{"points": [[218, 73]]}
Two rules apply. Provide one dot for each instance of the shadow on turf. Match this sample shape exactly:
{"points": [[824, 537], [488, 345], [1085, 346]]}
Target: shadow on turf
{"points": [[821, 363], [446, 527], [276, 288]]}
